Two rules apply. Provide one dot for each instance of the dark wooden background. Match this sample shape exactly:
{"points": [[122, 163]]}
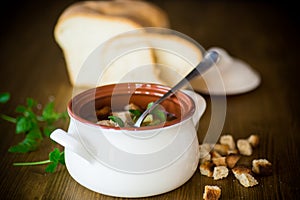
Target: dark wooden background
{"points": [[264, 34]]}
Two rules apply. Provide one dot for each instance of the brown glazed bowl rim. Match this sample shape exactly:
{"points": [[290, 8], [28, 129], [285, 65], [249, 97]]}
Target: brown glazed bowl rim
{"points": [[144, 88]]}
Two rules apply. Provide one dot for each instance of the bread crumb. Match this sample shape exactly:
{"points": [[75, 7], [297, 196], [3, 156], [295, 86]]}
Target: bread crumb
{"points": [[262, 167], [244, 147], [207, 168], [253, 140], [211, 192], [228, 140], [232, 159], [244, 176], [220, 172]]}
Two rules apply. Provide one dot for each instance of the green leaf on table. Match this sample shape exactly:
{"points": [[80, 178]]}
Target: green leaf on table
{"points": [[23, 125], [56, 157], [30, 143], [50, 116], [61, 159], [21, 109], [31, 102], [47, 130], [35, 126], [4, 97]]}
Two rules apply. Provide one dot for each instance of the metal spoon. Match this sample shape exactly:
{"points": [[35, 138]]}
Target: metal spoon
{"points": [[209, 59]]}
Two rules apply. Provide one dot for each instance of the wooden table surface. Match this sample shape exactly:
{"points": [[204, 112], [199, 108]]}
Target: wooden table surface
{"points": [[263, 34]]}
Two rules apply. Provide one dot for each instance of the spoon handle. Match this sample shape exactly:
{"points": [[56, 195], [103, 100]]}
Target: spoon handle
{"points": [[209, 59]]}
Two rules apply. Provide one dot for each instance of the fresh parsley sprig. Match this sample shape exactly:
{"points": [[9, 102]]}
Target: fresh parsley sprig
{"points": [[55, 158], [31, 124], [35, 128]]}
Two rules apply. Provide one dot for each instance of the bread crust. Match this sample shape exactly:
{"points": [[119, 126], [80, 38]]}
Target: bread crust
{"points": [[101, 20], [136, 13]]}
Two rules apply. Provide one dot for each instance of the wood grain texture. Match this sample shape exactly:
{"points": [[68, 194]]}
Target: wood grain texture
{"points": [[263, 34]]}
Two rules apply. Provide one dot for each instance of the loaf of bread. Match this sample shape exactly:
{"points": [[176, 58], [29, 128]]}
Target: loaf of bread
{"points": [[85, 25]]}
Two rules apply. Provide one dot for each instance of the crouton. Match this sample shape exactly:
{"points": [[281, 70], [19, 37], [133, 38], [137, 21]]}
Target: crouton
{"points": [[206, 147], [220, 172], [228, 140], [103, 112], [204, 150], [221, 149], [215, 154], [244, 176], [207, 168], [211, 192], [232, 159], [253, 140], [262, 167], [220, 161], [204, 157], [232, 151], [244, 147]]}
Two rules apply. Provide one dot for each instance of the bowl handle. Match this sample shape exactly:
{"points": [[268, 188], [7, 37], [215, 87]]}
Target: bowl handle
{"points": [[200, 106], [71, 143]]}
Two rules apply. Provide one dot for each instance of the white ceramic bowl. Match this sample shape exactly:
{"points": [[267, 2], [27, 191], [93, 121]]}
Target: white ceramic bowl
{"points": [[132, 162]]}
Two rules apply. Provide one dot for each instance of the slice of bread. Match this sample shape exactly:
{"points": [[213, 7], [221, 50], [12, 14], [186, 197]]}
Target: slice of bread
{"points": [[83, 26], [177, 58]]}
